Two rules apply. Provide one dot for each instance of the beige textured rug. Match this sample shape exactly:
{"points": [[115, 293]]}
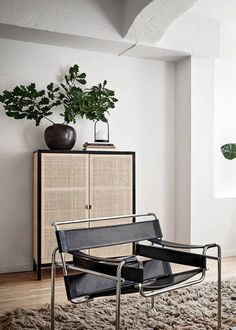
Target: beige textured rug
{"points": [[186, 309]]}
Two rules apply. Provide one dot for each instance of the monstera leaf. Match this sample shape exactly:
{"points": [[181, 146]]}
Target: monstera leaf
{"points": [[229, 150]]}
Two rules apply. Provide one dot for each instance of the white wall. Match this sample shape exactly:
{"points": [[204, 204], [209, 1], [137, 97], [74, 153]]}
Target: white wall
{"points": [[228, 41], [212, 219], [203, 219], [192, 34], [203, 123], [225, 132], [143, 121], [183, 151]]}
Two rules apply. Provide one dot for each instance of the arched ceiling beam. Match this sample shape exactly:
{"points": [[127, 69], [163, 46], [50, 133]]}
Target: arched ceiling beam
{"points": [[153, 20]]}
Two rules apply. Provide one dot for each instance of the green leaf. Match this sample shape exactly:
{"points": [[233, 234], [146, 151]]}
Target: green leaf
{"points": [[50, 87], [67, 79], [17, 90], [229, 150], [74, 70], [32, 87], [64, 87], [44, 100], [41, 93]]}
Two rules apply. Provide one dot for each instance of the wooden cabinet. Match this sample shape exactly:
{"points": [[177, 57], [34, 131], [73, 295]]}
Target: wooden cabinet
{"points": [[75, 185]]}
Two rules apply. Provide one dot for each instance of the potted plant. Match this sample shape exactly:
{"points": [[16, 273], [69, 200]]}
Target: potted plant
{"points": [[33, 104], [69, 93]]}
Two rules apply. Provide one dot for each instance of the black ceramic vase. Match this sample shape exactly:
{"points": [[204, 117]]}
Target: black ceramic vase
{"points": [[60, 137]]}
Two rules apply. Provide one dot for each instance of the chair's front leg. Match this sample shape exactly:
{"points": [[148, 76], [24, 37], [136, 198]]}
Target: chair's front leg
{"points": [[219, 286], [53, 277], [118, 294]]}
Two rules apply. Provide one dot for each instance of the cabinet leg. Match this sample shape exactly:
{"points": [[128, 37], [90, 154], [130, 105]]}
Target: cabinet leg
{"points": [[39, 273]]}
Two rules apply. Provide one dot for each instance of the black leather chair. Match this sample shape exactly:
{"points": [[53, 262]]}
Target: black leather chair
{"points": [[98, 277]]}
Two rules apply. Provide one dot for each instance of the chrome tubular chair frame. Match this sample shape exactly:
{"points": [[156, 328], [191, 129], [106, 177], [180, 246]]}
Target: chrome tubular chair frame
{"points": [[120, 262]]}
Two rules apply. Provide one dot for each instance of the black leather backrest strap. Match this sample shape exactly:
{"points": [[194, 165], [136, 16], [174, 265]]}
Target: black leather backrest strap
{"points": [[77, 239]]}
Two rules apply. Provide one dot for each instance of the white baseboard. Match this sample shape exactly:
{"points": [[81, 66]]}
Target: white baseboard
{"points": [[16, 268], [229, 253]]}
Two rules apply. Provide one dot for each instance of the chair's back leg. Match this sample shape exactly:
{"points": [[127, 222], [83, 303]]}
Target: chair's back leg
{"points": [[152, 298], [118, 293], [53, 277], [219, 287]]}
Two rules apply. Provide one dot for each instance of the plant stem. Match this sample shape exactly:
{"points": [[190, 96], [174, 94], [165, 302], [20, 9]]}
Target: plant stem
{"points": [[37, 106], [49, 119]]}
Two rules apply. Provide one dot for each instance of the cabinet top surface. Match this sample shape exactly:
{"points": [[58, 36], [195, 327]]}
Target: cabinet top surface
{"points": [[84, 152]]}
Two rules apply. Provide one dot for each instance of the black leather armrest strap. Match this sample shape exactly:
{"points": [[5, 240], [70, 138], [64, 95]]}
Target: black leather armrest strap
{"points": [[130, 271], [180, 245], [112, 260], [178, 257], [84, 255]]}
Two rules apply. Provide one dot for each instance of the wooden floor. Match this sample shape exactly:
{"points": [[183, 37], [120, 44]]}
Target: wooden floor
{"points": [[23, 290]]}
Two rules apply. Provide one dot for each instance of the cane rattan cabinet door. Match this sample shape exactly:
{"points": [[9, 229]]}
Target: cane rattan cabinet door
{"points": [[80, 185], [64, 194], [111, 194]]}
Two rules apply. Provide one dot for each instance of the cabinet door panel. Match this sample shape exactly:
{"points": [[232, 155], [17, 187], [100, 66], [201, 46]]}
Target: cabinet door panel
{"points": [[111, 194], [65, 194], [35, 207]]}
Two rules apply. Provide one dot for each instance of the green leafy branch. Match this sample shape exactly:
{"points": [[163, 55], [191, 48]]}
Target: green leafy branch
{"points": [[28, 102], [90, 103], [98, 100], [71, 94]]}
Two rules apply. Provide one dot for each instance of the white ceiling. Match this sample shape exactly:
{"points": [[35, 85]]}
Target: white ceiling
{"points": [[101, 25], [220, 10], [140, 28]]}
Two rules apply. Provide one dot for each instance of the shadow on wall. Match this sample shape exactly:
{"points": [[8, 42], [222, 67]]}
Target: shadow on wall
{"points": [[20, 135], [112, 10], [33, 137], [16, 208]]}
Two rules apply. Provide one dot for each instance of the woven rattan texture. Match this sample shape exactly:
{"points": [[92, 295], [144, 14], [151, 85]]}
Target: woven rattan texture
{"points": [[65, 194], [111, 194]]}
